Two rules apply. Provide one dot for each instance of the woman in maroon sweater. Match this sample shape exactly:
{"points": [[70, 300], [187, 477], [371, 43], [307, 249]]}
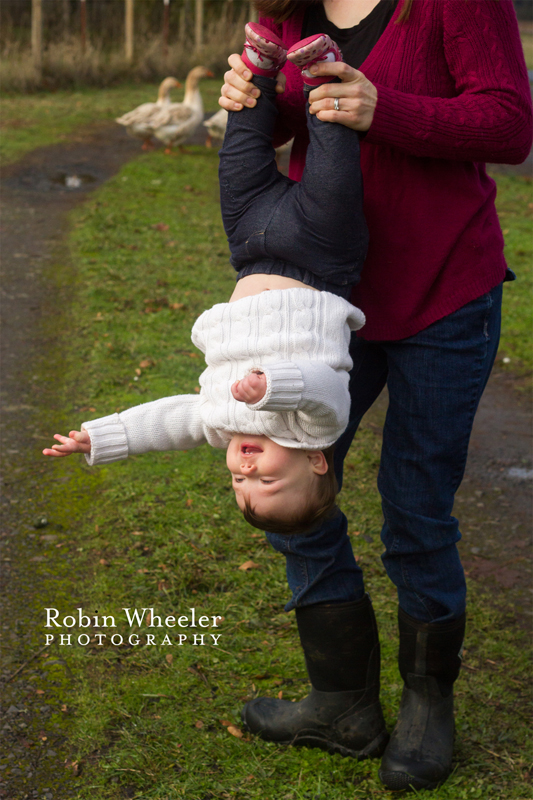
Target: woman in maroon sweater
{"points": [[435, 89]]}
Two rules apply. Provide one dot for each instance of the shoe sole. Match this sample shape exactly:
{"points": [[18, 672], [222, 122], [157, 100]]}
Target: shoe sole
{"points": [[311, 738], [374, 749], [401, 781]]}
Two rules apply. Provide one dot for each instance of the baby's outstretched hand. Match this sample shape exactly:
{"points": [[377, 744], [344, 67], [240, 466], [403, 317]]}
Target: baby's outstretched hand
{"points": [[251, 389], [75, 442]]}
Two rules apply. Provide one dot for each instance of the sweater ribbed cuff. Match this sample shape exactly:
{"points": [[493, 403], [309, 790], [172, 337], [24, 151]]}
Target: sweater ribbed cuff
{"points": [[108, 440], [284, 387]]}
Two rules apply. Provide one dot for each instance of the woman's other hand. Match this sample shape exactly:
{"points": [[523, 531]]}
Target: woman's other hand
{"points": [[75, 442], [238, 89], [357, 96]]}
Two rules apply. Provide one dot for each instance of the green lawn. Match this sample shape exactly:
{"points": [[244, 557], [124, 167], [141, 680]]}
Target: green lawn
{"points": [[515, 208], [154, 721]]}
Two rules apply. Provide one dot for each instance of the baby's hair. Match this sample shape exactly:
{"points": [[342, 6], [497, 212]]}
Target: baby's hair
{"points": [[321, 506]]}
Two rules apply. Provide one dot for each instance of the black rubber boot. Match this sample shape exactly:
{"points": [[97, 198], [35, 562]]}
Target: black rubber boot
{"points": [[342, 714], [419, 754]]}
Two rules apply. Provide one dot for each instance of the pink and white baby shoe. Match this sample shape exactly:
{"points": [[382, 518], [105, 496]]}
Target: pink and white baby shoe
{"points": [[314, 50], [264, 52]]}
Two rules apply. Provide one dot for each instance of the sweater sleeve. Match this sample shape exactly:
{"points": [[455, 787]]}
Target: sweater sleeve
{"points": [[490, 118], [172, 423], [313, 389]]}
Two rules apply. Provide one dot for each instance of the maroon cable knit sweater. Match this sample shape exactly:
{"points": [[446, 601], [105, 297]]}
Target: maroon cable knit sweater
{"points": [[453, 92]]}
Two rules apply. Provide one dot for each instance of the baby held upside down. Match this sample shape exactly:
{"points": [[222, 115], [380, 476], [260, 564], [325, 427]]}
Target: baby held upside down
{"points": [[274, 394]]}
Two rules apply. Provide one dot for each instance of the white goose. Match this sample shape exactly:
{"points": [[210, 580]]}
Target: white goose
{"points": [[142, 121], [184, 118], [216, 127]]}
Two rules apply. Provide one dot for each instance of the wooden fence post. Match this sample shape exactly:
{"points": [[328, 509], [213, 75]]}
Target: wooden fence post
{"points": [[37, 35], [128, 30], [66, 17], [199, 24], [166, 10], [83, 25]]}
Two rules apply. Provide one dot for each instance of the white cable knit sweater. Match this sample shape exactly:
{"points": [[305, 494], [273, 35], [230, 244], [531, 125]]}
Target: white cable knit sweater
{"points": [[298, 337]]}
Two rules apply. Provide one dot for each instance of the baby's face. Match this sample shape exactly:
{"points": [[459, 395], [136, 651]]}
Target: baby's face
{"points": [[274, 480]]}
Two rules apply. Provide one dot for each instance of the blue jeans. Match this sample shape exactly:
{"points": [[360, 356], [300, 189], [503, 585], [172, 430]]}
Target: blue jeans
{"points": [[313, 230], [435, 380]]}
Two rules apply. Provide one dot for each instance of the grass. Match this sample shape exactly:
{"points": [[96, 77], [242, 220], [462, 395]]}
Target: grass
{"points": [[28, 122], [515, 207], [153, 721], [527, 43]]}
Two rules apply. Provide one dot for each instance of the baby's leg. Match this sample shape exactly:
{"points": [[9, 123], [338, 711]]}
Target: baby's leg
{"points": [[319, 223], [250, 183]]}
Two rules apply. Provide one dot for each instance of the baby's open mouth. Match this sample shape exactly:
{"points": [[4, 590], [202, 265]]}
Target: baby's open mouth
{"points": [[250, 449]]}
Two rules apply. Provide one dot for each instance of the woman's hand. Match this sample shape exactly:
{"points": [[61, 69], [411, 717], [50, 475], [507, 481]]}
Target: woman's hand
{"points": [[238, 89], [75, 442], [357, 96]]}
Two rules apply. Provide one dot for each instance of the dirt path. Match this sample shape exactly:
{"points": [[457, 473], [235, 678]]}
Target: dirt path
{"points": [[35, 199], [494, 503]]}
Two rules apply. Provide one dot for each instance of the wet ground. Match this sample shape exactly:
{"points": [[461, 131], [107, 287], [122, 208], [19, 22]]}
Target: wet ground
{"points": [[494, 502]]}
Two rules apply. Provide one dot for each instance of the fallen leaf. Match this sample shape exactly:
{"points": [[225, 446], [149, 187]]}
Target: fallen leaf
{"points": [[249, 565], [225, 722], [39, 691], [189, 503], [169, 658], [176, 306], [199, 724], [161, 226], [280, 695], [136, 533], [64, 707], [138, 372], [146, 362], [103, 562], [235, 731]]}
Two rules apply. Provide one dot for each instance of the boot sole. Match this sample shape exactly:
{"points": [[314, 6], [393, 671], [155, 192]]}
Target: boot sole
{"points": [[374, 749], [311, 738], [401, 781]]}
